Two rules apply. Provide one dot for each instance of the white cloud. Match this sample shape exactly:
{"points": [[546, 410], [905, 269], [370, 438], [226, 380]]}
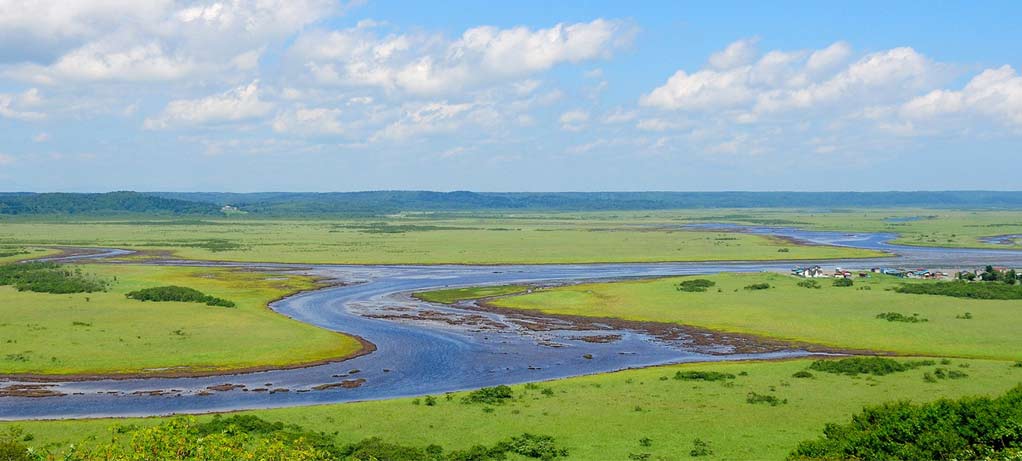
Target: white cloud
{"points": [[428, 64], [574, 120], [620, 116], [426, 118], [240, 103], [739, 53], [42, 136], [994, 93], [657, 124], [784, 81], [829, 58], [19, 106], [309, 121], [99, 40]]}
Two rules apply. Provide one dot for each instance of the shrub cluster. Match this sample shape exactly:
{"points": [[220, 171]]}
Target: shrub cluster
{"points": [[758, 286], [877, 366], [695, 285], [969, 428], [250, 437], [898, 317], [44, 277], [490, 395], [809, 283], [961, 289], [767, 399], [843, 282], [702, 376], [176, 293]]}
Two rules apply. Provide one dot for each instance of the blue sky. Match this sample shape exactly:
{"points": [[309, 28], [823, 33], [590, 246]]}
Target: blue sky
{"points": [[321, 95]]}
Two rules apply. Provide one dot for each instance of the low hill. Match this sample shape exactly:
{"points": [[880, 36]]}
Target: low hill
{"points": [[374, 202], [105, 203]]}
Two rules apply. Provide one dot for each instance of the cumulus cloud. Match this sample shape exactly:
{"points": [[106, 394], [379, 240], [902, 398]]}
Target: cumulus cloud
{"points": [[98, 40], [240, 103], [797, 80], [429, 64], [994, 93], [737, 54]]}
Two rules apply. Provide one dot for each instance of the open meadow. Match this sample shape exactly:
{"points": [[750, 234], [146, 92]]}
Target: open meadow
{"points": [[108, 333]]}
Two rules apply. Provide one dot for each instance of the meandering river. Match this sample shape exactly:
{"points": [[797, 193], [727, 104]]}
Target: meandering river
{"points": [[428, 349]]}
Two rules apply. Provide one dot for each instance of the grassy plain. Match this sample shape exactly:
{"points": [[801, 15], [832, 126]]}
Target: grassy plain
{"points": [[843, 317], [17, 253], [469, 239], [606, 416], [490, 238], [106, 333]]}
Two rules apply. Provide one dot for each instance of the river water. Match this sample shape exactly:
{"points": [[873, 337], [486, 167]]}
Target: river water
{"points": [[451, 348]]}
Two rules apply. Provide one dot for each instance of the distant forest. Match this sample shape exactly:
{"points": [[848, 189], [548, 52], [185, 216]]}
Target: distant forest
{"points": [[281, 204]]}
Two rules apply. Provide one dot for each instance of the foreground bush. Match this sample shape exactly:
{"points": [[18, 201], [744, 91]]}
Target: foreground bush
{"points": [[249, 437], [42, 277], [970, 428], [176, 293]]}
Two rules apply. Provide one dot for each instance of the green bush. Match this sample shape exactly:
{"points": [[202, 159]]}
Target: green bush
{"points": [[44, 277], [700, 448], [843, 282], [702, 376], [695, 285], [877, 366], [897, 317], [12, 447], [490, 395], [959, 289], [180, 294], [758, 286], [250, 437], [809, 284], [802, 374], [768, 399], [968, 428]]}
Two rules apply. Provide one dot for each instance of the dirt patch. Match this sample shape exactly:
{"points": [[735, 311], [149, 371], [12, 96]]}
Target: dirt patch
{"points": [[597, 339], [346, 384], [477, 321], [225, 387], [699, 339], [29, 390]]}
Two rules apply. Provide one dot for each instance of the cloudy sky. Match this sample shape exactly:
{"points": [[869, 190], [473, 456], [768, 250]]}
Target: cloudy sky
{"points": [[324, 95]]}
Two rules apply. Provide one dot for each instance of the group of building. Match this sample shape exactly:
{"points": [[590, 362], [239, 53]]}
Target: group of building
{"points": [[819, 272]]}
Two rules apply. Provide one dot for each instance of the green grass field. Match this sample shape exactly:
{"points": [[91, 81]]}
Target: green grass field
{"points": [[605, 416], [491, 238], [466, 240], [106, 333], [18, 253], [843, 317]]}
